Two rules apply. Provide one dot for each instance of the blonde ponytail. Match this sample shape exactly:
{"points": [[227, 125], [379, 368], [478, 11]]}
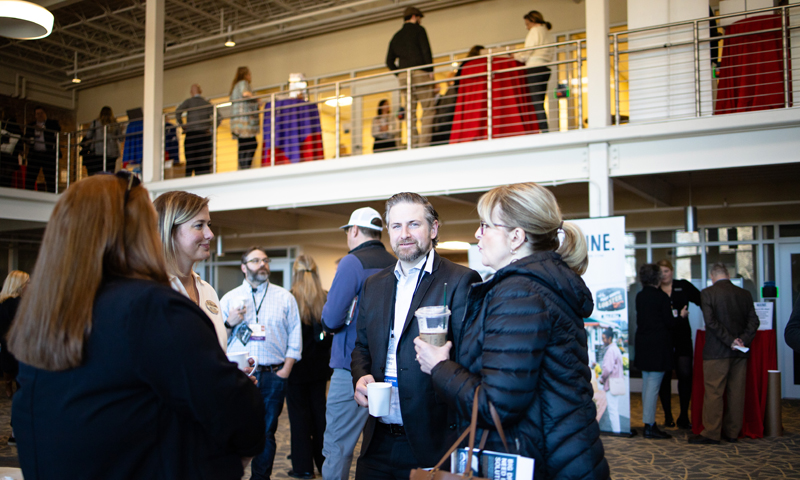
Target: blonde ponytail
{"points": [[573, 249]]}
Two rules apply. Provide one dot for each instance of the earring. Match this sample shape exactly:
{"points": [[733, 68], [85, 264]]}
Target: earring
{"points": [[513, 252]]}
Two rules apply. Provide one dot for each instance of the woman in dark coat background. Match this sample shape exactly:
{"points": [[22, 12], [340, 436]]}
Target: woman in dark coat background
{"points": [[523, 339], [305, 398], [680, 293], [654, 321]]}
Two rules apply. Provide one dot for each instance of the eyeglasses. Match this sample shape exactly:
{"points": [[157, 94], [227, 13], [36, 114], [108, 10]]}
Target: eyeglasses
{"points": [[485, 225], [258, 261]]}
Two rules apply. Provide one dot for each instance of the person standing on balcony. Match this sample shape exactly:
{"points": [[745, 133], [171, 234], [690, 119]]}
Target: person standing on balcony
{"points": [[410, 48], [244, 117], [102, 139], [41, 135], [536, 61], [198, 141]]}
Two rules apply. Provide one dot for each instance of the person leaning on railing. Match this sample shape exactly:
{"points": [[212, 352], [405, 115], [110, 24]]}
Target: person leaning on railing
{"points": [[244, 117], [41, 137], [538, 72], [104, 127]]}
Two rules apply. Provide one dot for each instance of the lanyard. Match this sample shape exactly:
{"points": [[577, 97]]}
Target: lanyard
{"points": [[258, 308]]}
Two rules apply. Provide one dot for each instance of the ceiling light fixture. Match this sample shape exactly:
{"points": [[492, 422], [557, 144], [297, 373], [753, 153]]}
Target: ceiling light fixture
{"points": [[229, 42], [464, 246], [343, 101], [24, 20], [75, 78]]}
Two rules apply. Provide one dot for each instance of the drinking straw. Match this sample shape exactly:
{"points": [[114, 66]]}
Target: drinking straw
{"points": [[445, 296]]}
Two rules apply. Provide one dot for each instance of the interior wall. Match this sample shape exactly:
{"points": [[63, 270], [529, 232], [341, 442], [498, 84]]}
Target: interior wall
{"points": [[457, 28]]}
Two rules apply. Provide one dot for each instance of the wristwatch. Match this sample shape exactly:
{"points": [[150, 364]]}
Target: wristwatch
{"points": [[228, 325]]}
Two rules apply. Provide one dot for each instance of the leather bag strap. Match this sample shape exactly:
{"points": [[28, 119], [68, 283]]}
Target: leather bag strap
{"points": [[498, 426], [471, 432]]}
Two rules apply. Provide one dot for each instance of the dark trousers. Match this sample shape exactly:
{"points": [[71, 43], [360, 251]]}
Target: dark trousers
{"points": [[388, 457], [247, 148], [273, 391], [306, 405], [683, 368], [537, 88], [94, 164], [8, 165], [197, 146], [382, 145], [46, 161]]}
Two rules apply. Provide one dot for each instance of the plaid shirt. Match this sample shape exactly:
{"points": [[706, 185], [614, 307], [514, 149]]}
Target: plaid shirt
{"points": [[277, 312]]}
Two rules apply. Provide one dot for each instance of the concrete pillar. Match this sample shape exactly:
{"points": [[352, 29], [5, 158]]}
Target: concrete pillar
{"points": [[601, 191], [153, 134], [597, 58]]}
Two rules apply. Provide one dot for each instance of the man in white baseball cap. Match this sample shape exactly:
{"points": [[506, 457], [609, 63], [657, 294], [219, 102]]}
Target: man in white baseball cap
{"points": [[345, 420]]}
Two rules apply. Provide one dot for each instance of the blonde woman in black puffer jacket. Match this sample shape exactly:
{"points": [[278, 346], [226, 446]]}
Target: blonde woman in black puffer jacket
{"points": [[523, 339]]}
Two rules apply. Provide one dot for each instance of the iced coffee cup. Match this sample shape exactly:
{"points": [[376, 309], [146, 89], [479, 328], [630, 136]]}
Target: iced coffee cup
{"points": [[432, 323]]}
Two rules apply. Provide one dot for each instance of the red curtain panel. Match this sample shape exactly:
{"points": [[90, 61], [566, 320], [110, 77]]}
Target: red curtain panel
{"points": [[751, 74], [512, 113]]}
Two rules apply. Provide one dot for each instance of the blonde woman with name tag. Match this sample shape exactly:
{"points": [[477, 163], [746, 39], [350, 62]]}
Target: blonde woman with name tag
{"points": [[185, 226]]}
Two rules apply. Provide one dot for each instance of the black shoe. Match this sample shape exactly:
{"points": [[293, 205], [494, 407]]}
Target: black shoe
{"points": [[684, 424], [304, 476], [669, 423], [652, 431], [701, 440], [12, 441], [729, 439]]}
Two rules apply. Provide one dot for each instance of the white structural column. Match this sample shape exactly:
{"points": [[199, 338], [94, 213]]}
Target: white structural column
{"points": [[601, 191], [597, 59], [153, 133]]}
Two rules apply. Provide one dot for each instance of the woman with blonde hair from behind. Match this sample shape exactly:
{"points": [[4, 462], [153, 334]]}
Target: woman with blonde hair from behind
{"points": [[305, 397], [523, 340], [185, 227], [13, 287], [122, 377]]}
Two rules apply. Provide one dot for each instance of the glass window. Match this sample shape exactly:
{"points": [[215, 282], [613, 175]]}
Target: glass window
{"points": [[674, 236], [634, 258], [741, 261], [768, 232], [730, 234], [635, 238], [769, 262], [789, 230]]}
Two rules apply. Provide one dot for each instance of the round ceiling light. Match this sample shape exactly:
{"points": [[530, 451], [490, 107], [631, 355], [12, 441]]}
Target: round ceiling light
{"points": [[24, 20]]}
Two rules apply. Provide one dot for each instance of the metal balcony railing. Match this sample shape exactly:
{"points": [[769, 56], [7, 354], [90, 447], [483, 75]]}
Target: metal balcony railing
{"points": [[692, 69]]}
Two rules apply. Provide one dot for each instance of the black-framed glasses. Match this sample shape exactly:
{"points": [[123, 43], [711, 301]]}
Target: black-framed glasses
{"points": [[258, 261], [485, 225]]}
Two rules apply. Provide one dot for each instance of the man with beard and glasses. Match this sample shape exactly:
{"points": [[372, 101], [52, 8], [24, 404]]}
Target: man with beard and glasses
{"points": [[263, 320], [417, 431]]}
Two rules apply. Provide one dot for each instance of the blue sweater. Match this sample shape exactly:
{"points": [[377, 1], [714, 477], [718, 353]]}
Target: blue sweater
{"points": [[366, 259]]}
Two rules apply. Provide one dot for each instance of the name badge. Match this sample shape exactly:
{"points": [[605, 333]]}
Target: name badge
{"points": [[675, 312], [259, 332], [212, 307]]}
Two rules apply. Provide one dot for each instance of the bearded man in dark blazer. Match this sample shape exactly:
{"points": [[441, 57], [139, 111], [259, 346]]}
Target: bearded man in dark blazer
{"points": [[731, 324], [417, 431]]}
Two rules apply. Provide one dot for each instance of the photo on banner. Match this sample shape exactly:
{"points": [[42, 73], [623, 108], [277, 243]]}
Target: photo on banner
{"points": [[607, 327]]}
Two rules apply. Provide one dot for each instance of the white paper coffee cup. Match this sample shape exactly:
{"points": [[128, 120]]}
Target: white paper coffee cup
{"points": [[379, 396], [241, 359]]}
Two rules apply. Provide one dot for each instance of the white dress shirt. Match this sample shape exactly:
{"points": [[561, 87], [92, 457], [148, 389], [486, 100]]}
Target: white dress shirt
{"points": [[407, 283], [537, 35]]}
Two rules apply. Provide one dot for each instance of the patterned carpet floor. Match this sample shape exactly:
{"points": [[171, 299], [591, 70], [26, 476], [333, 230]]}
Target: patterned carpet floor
{"points": [[630, 458]]}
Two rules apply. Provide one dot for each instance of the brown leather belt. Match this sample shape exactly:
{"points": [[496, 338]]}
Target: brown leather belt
{"points": [[269, 368], [393, 428]]}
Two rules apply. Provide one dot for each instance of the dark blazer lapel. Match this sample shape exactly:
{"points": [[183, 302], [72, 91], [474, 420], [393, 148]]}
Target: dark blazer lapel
{"points": [[422, 290], [385, 321]]}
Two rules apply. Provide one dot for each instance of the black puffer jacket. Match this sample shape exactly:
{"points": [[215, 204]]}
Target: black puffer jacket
{"points": [[523, 340]]}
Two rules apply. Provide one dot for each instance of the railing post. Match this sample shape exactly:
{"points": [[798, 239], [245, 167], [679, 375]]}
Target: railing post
{"points": [[272, 130], [409, 127], [616, 79], [58, 157], [214, 117], [69, 154], [163, 146], [105, 142], [489, 100], [696, 41], [580, 86], [785, 48], [338, 120]]}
